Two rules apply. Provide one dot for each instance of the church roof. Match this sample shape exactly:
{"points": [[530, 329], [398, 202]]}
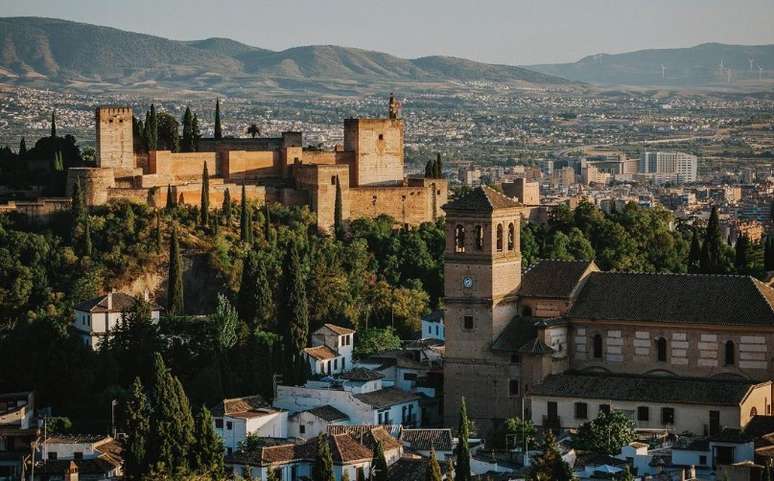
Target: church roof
{"points": [[481, 199], [518, 332], [553, 278], [656, 389], [684, 298]]}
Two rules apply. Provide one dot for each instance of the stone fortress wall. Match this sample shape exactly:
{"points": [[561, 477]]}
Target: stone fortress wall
{"points": [[369, 166]]}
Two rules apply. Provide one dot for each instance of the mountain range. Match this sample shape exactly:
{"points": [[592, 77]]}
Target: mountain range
{"points": [[45, 52]]}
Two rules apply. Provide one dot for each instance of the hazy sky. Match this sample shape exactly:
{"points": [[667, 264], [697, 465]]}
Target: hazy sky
{"points": [[502, 31]]}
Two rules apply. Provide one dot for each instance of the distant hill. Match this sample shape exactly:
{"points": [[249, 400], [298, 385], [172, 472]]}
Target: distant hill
{"points": [[698, 66], [45, 51]]}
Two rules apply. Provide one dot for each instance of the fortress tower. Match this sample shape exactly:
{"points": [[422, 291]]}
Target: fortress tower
{"points": [[377, 147], [115, 140], [482, 272]]}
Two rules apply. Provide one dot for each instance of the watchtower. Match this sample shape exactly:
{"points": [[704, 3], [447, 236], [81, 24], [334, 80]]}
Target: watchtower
{"points": [[115, 139]]}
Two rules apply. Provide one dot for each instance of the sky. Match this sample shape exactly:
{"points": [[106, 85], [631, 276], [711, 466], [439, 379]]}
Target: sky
{"points": [[516, 32]]}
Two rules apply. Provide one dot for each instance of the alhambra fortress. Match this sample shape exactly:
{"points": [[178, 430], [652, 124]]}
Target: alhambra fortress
{"points": [[368, 166]]}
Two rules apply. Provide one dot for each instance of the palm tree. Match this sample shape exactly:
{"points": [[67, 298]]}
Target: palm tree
{"points": [[253, 130]]}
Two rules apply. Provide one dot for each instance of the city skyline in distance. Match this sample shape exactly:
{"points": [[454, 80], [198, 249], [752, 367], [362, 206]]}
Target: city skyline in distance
{"points": [[513, 33]]}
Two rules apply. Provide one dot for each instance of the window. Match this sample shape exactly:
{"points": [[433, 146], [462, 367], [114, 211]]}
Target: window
{"points": [[343, 363], [459, 238], [328, 366], [403, 415], [429, 329], [667, 416], [333, 180], [335, 364], [552, 410], [499, 237], [479, 237], [219, 423], [302, 429], [604, 408], [381, 418], [730, 353], [467, 322], [513, 387], [78, 455], [409, 376], [661, 349], [229, 425], [381, 136], [643, 413], [511, 236], [229, 450], [581, 411], [436, 330], [753, 411], [597, 347], [360, 476], [515, 358], [702, 460]]}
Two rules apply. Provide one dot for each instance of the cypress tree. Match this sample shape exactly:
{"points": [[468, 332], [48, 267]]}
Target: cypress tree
{"points": [[227, 206], [187, 142], [462, 451], [175, 286], [205, 200], [323, 461], [710, 249], [53, 123], [550, 464], [173, 425], [138, 429], [245, 227], [742, 247], [196, 133], [429, 169], [379, 464], [695, 253], [338, 214], [207, 449], [170, 198], [433, 472], [87, 248], [157, 233], [218, 128], [438, 167], [768, 254], [267, 224], [129, 219], [22, 147], [78, 204], [255, 302], [295, 316], [152, 127]]}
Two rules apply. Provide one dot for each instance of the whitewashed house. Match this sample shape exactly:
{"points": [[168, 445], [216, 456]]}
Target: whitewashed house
{"points": [[433, 326], [95, 457], [96, 318], [237, 418], [311, 422], [331, 350]]}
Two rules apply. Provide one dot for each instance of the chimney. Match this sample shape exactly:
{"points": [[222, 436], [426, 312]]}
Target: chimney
{"points": [[110, 301], [71, 474]]}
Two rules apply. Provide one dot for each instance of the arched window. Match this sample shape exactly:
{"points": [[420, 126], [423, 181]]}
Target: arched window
{"points": [[661, 349], [511, 236], [730, 353], [597, 347], [499, 237], [479, 237], [753, 411], [459, 238]]}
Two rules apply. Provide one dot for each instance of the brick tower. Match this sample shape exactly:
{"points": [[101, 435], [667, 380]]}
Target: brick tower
{"points": [[482, 272], [115, 139]]}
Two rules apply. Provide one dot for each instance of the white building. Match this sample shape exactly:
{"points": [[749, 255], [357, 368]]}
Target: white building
{"points": [[96, 318], [96, 458], [311, 422], [433, 327], [331, 351], [673, 166], [237, 418]]}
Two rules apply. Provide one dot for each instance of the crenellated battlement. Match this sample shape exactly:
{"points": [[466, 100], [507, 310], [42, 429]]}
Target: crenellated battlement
{"points": [[111, 110]]}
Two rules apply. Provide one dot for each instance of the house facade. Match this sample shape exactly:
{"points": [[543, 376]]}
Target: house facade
{"points": [[96, 318], [237, 418], [331, 350]]}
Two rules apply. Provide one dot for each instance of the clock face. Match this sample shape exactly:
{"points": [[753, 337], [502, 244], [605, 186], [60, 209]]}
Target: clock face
{"points": [[467, 282]]}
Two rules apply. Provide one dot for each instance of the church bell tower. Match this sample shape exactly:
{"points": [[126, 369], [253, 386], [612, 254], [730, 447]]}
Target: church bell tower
{"points": [[482, 273]]}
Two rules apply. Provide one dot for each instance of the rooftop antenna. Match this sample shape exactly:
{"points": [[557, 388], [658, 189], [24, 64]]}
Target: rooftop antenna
{"points": [[663, 72]]}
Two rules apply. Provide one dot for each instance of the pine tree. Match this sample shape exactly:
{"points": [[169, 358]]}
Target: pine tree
{"points": [[53, 123], [175, 286], [433, 472], [550, 465], [741, 257], [379, 464], [695, 253], [196, 133], [22, 148], [205, 200], [429, 170], [218, 128], [294, 316], [187, 142], [227, 207], [137, 424], [323, 461], [338, 214], [462, 451], [245, 219], [170, 198], [711, 248], [207, 450]]}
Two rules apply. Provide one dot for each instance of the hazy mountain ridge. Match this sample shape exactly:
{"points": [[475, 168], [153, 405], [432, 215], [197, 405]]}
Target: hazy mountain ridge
{"points": [[60, 52], [691, 67]]}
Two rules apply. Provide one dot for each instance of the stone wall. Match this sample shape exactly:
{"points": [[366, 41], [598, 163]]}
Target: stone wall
{"points": [[94, 182], [182, 165], [320, 182], [241, 164], [407, 205], [115, 139], [377, 145]]}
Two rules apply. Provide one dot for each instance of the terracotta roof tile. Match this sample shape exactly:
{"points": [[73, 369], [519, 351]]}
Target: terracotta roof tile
{"points": [[387, 397], [120, 303], [341, 331], [229, 407], [551, 278], [328, 413], [426, 439], [321, 353], [481, 199]]}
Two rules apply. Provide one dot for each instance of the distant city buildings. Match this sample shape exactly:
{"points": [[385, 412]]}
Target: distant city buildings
{"points": [[664, 167]]}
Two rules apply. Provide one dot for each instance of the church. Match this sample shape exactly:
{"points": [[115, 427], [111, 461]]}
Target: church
{"points": [[563, 341]]}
